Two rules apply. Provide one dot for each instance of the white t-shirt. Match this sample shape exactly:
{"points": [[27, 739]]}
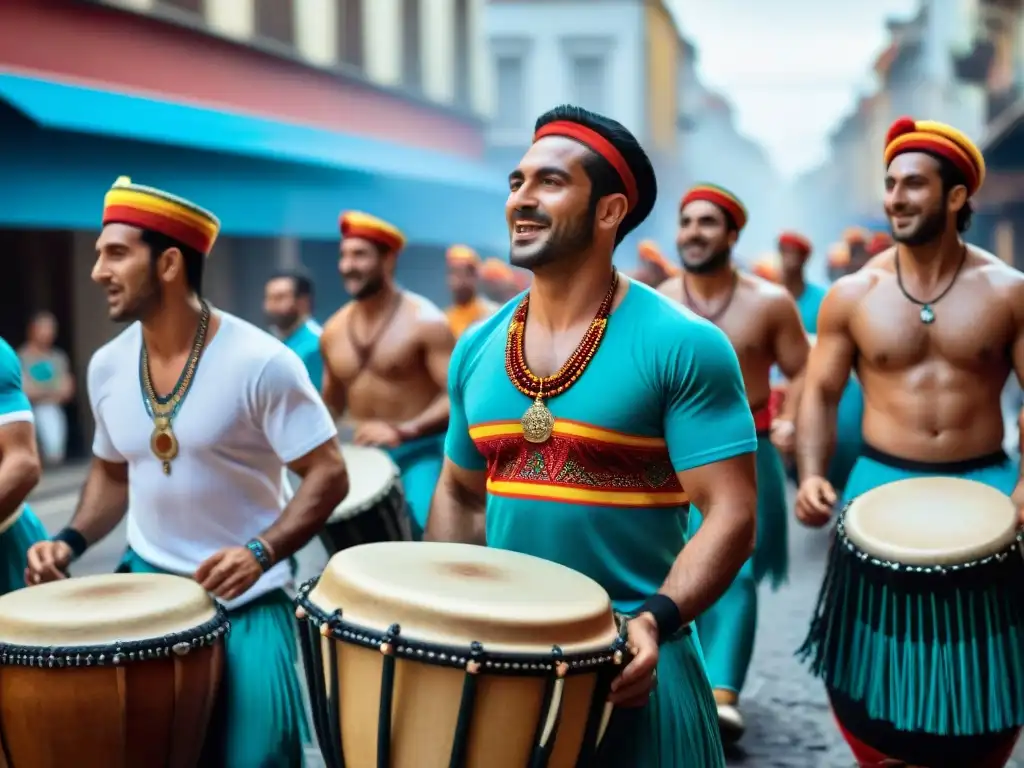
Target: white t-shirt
{"points": [[251, 410]]}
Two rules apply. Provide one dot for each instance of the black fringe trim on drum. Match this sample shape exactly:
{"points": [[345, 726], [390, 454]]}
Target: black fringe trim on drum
{"points": [[120, 651], [937, 649]]}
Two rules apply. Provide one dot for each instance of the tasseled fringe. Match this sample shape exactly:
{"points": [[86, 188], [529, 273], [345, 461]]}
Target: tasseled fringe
{"points": [[933, 653]]}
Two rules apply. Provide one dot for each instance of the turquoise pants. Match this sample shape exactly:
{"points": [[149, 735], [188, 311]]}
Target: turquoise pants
{"points": [[678, 728], [14, 545], [849, 417], [420, 462], [260, 713], [727, 628]]}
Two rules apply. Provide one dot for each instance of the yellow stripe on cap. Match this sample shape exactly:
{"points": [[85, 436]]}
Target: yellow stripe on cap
{"points": [[368, 227], [909, 135], [159, 211]]}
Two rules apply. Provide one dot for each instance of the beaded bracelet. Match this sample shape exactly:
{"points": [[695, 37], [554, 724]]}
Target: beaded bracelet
{"points": [[260, 552]]}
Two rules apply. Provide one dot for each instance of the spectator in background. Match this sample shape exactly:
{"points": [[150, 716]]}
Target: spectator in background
{"points": [[288, 305], [48, 384], [468, 306], [498, 280]]}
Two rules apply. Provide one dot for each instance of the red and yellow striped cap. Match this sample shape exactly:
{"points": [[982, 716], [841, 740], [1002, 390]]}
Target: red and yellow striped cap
{"points": [[909, 135], [462, 255], [159, 211], [796, 241], [496, 270], [721, 197], [366, 227]]}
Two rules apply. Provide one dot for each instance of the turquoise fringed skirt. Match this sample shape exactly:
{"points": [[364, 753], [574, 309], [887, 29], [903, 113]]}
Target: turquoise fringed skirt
{"points": [[678, 728], [260, 718], [14, 545]]}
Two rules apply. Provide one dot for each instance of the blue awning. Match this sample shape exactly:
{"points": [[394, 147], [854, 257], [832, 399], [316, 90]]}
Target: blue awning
{"points": [[262, 176]]}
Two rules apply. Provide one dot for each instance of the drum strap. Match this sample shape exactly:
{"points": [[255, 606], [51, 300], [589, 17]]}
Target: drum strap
{"points": [[364, 351]]}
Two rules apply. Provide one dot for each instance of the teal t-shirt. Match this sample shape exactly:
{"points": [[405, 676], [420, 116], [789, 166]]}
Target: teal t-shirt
{"points": [[663, 394], [809, 304], [14, 405], [305, 342]]}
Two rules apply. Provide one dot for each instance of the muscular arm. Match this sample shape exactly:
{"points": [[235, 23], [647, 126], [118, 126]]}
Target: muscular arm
{"points": [[324, 486], [828, 370], [20, 469], [457, 511], [438, 342], [726, 494], [331, 389], [791, 352], [104, 500], [1017, 350]]}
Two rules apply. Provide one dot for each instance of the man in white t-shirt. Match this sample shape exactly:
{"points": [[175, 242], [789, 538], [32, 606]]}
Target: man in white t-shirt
{"points": [[202, 481]]}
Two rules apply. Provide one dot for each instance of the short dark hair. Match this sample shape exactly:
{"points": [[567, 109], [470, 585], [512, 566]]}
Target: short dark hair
{"points": [[194, 260], [953, 177], [604, 179], [302, 282]]}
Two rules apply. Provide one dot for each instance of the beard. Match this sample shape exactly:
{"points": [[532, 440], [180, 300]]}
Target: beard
{"points": [[929, 229], [563, 241], [371, 286], [716, 262], [283, 321], [142, 303]]}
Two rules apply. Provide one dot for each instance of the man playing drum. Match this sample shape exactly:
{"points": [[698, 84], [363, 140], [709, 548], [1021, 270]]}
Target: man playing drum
{"points": [[588, 415], [933, 328], [386, 360], [20, 469], [761, 321], [197, 415]]}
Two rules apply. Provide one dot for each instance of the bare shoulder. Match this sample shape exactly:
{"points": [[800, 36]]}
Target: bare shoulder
{"points": [[673, 288], [431, 324], [1005, 280], [845, 295], [335, 325]]}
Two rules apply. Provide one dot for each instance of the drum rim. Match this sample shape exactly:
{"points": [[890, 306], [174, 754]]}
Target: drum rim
{"points": [[118, 652], [1016, 545], [394, 481], [474, 657]]}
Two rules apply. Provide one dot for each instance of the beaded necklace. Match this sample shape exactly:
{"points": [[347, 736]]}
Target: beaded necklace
{"points": [[538, 422]]}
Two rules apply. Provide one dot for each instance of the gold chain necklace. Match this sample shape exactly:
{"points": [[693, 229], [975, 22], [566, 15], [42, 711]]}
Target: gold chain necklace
{"points": [[162, 442]]}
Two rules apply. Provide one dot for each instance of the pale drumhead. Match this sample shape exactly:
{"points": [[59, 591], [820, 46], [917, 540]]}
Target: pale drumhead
{"points": [[932, 521], [371, 474], [454, 594], [100, 610]]}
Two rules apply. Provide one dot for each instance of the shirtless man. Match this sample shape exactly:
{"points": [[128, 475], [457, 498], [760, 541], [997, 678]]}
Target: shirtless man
{"points": [[764, 327], [933, 328], [386, 360]]}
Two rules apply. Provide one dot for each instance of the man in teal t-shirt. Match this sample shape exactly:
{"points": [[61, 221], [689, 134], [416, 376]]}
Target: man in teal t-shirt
{"points": [[19, 473], [648, 414], [288, 305]]}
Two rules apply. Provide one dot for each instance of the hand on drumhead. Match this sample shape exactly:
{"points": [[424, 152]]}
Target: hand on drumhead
{"points": [[47, 561], [814, 501], [378, 434], [632, 688], [229, 573]]}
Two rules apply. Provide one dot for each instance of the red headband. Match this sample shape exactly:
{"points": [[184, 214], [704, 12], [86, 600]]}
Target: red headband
{"points": [[599, 144], [795, 240], [723, 198]]}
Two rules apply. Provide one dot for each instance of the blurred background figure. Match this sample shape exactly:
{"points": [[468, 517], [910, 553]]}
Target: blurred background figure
{"points": [[794, 251], [652, 268], [857, 239], [49, 385], [838, 260], [468, 306], [288, 306], [498, 280], [766, 266], [879, 242]]}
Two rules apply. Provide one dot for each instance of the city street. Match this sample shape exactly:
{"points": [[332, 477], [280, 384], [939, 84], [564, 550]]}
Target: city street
{"points": [[789, 725]]}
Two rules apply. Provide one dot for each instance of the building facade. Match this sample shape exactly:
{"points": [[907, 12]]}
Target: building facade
{"points": [[616, 57], [275, 114]]}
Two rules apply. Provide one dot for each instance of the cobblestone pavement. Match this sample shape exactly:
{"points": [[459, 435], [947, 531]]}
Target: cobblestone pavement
{"points": [[788, 722]]}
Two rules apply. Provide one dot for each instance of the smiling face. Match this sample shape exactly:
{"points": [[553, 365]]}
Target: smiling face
{"points": [[363, 266], [549, 211], [918, 207], [127, 272], [704, 238]]}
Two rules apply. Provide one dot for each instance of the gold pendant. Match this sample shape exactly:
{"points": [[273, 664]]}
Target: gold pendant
{"points": [[538, 422], [163, 443]]}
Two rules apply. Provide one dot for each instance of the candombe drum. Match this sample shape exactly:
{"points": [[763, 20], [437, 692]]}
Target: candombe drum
{"points": [[113, 671], [920, 617], [374, 509], [430, 655]]}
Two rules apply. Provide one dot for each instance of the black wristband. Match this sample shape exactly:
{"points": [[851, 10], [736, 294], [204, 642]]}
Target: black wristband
{"points": [[73, 539], [666, 615]]}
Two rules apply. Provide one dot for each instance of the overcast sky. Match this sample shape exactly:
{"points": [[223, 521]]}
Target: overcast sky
{"points": [[792, 68]]}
